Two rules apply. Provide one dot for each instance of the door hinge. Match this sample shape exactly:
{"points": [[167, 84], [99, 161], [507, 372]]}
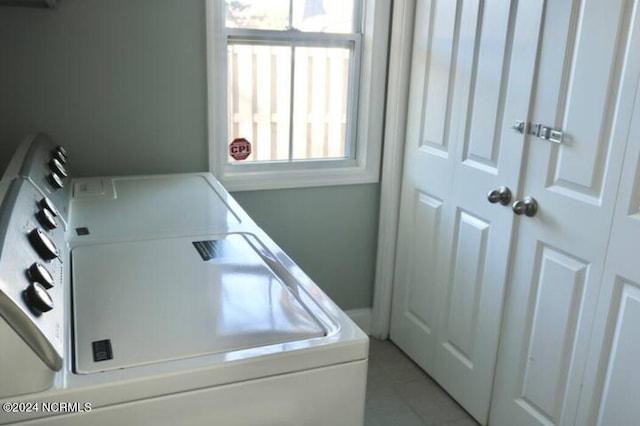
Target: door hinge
{"points": [[540, 131]]}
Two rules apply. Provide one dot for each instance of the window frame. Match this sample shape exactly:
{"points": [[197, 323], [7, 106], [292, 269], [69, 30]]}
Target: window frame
{"points": [[366, 104], [297, 39]]}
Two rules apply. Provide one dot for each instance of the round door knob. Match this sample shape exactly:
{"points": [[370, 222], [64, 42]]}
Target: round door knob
{"points": [[46, 218], [56, 166], [55, 181], [501, 195], [527, 207], [43, 244], [38, 299], [39, 274]]}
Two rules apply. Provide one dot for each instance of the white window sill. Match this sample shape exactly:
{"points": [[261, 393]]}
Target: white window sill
{"points": [[247, 178]]}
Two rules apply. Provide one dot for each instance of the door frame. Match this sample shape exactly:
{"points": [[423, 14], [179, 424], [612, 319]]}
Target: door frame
{"points": [[400, 48]]}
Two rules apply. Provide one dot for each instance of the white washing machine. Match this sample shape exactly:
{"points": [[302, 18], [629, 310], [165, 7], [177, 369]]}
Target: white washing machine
{"points": [[157, 300]]}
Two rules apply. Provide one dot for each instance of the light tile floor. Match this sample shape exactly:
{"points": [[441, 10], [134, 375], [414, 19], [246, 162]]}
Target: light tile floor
{"points": [[399, 393]]}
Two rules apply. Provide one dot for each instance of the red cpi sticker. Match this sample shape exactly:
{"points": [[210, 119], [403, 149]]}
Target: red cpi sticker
{"points": [[240, 149]]}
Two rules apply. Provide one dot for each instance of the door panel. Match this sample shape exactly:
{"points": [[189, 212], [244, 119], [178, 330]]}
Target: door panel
{"points": [[485, 100], [552, 302], [428, 159], [472, 72], [463, 295], [577, 169], [557, 294], [612, 377], [428, 142], [489, 154], [619, 405], [420, 299], [439, 61]]}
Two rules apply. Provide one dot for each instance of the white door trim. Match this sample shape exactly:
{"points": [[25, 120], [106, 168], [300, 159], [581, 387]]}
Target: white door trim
{"points": [[393, 153]]}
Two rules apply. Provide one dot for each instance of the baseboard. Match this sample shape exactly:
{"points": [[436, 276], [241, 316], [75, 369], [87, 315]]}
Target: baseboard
{"points": [[362, 317]]}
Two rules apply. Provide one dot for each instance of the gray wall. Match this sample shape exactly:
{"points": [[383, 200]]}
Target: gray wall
{"points": [[330, 232], [122, 84]]}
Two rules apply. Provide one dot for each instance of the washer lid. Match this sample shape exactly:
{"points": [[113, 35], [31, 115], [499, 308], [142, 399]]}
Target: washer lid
{"points": [[143, 302]]}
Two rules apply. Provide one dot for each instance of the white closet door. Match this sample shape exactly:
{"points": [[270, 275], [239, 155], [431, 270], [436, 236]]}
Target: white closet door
{"points": [[559, 254], [612, 375], [472, 71]]}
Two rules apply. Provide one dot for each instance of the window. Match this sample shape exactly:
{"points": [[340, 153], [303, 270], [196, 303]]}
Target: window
{"points": [[298, 87]]}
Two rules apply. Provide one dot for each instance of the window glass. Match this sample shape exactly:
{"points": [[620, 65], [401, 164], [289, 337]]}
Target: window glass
{"points": [[257, 14], [259, 99], [325, 16], [321, 87]]}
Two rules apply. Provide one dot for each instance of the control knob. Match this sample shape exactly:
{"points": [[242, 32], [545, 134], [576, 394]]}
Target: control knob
{"points": [[46, 203], [60, 157], [43, 244], [62, 151], [56, 166], [55, 180], [38, 299], [46, 218], [39, 274]]}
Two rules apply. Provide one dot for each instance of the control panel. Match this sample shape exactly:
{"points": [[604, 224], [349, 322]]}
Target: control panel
{"points": [[31, 272], [46, 166]]}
